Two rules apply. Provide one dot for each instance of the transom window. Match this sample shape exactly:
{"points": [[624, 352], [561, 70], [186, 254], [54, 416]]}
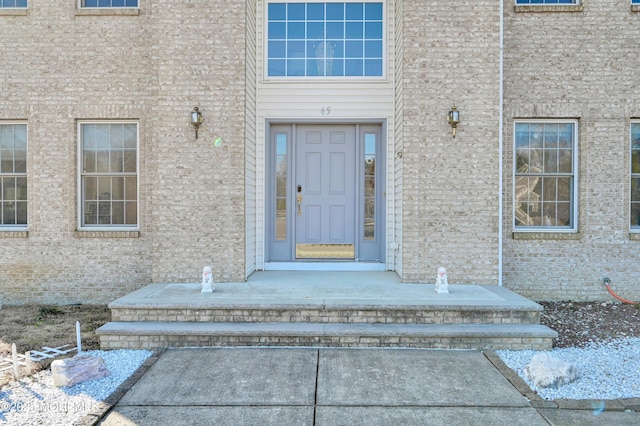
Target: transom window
{"points": [[109, 178], [109, 3], [13, 3], [325, 39], [635, 176], [13, 175], [545, 176], [533, 2]]}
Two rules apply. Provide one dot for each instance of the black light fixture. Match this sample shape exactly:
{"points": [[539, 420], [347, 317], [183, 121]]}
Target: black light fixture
{"points": [[453, 118], [196, 119]]}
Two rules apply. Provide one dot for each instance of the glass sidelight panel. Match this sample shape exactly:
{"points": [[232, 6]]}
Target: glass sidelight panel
{"points": [[281, 187], [369, 186]]}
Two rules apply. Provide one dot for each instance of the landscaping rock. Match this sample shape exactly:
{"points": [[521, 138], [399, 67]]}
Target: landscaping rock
{"points": [[546, 371], [80, 368]]}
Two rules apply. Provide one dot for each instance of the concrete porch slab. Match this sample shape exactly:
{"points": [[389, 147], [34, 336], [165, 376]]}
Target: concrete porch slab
{"points": [[340, 290]]}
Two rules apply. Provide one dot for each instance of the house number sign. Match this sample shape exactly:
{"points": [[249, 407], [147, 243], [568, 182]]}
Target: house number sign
{"points": [[325, 110]]}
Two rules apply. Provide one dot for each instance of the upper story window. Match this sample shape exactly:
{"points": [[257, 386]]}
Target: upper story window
{"points": [[109, 175], [545, 176], [13, 175], [635, 177], [325, 39], [108, 3], [13, 3], [533, 2]]}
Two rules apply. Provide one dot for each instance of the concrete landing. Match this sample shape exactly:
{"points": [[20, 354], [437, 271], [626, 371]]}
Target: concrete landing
{"points": [[312, 289]]}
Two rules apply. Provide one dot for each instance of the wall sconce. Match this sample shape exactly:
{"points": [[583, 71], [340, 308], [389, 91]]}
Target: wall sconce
{"points": [[453, 118], [196, 119]]}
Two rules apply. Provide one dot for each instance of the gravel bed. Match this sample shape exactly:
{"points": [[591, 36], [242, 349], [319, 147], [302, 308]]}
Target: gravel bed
{"points": [[36, 401], [608, 370]]}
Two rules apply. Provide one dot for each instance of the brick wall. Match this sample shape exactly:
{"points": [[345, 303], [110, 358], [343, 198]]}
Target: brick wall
{"points": [[576, 63], [450, 186], [61, 65]]}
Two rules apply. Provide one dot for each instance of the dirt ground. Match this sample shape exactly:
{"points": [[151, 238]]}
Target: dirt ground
{"points": [[34, 326]]}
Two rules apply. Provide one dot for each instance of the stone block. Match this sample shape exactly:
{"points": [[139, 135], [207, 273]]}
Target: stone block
{"points": [[546, 371], [80, 368]]}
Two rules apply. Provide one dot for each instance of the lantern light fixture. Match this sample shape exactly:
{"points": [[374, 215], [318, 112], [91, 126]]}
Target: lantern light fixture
{"points": [[196, 119], [454, 119]]}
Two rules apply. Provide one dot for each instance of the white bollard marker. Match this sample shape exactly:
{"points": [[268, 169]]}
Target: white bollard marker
{"points": [[78, 337]]}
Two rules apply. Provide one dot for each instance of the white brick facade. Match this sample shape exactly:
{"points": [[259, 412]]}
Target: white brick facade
{"points": [[202, 202]]}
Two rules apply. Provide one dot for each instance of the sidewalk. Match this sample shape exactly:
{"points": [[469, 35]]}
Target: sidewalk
{"points": [[317, 386]]}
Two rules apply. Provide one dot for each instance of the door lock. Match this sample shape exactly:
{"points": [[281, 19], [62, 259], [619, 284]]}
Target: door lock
{"points": [[299, 200]]}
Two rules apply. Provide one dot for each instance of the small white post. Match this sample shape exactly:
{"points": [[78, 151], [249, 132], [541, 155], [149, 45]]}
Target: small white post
{"points": [[14, 354], [27, 362], [78, 337]]}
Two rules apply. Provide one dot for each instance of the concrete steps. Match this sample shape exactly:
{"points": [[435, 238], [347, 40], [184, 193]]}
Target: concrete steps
{"points": [[327, 310], [143, 335]]}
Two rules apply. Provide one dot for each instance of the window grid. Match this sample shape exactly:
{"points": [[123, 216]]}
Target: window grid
{"points": [[13, 175], [109, 3], [109, 179], [325, 39], [634, 216], [542, 2], [544, 175], [22, 4]]}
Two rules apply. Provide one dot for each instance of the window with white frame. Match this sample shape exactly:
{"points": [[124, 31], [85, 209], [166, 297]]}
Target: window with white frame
{"points": [[542, 2], [13, 175], [109, 174], [20, 4], [332, 39], [108, 3], [545, 173], [635, 177]]}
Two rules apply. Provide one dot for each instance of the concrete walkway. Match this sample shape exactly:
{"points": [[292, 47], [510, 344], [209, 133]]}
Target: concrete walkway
{"points": [[311, 386]]}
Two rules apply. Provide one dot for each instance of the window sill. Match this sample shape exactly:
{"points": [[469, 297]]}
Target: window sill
{"points": [[106, 234], [533, 236], [548, 8], [634, 236], [13, 12], [14, 234], [108, 12]]}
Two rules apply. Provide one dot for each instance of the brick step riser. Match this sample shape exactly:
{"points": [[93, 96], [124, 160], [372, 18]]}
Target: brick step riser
{"points": [[330, 316], [476, 343]]}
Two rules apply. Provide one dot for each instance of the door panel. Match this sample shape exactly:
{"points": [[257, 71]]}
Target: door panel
{"points": [[326, 174]]}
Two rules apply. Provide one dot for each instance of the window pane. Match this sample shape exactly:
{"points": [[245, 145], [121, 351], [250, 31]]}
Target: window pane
{"points": [[90, 188], [129, 161], [131, 188], [277, 11], [21, 188], [117, 213], [117, 187], [131, 213], [21, 213], [315, 11]]}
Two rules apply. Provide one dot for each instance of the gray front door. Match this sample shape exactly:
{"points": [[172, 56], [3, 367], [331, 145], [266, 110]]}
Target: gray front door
{"points": [[325, 192]]}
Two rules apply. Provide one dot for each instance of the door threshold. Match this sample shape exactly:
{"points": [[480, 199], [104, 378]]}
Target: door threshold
{"points": [[326, 266]]}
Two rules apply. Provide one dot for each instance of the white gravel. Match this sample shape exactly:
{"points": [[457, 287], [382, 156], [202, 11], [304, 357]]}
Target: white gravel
{"points": [[609, 370], [36, 401]]}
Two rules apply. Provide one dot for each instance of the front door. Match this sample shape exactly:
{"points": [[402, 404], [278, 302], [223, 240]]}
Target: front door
{"points": [[325, 192]]}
